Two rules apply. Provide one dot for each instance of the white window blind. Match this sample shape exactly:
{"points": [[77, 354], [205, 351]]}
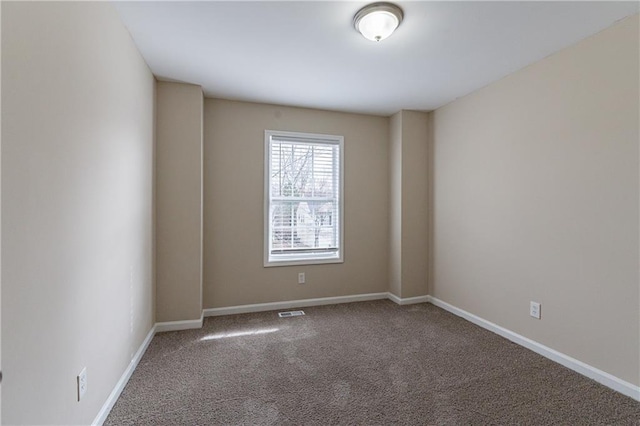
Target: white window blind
{"points": [[303, 198]]}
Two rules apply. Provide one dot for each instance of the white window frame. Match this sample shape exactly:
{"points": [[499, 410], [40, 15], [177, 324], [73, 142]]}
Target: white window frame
{"points": [[302, 258]]}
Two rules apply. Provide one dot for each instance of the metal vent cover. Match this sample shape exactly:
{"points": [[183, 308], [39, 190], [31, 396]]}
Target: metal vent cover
{"points": [[290, 314]]}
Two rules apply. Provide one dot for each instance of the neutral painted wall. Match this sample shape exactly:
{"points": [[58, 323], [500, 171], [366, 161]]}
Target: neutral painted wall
{"points": [[409, 175], [536, 198], [415, 205], [77, 207], [233, 205], [179, 202], [395, 204], [0, 220]]}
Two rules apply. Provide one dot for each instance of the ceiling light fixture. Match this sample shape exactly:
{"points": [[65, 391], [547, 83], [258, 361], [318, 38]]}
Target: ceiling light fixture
{"points": [[378, 21]]}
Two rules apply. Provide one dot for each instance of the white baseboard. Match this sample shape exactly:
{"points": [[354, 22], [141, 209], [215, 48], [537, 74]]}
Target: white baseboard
{"points": [[408, 300], [179, 325], [274, 306], [587, 370], [119, 387]]}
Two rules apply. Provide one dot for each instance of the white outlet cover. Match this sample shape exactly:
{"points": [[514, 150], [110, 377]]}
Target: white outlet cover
{"points": [[82, 383], [301, 278], [534, 310]]}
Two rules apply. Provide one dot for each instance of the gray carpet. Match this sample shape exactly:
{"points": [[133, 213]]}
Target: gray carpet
{"points": [[359, 363]]}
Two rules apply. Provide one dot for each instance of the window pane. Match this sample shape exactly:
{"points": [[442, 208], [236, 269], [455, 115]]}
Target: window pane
{"points": [[303, 225], [304, 199]]}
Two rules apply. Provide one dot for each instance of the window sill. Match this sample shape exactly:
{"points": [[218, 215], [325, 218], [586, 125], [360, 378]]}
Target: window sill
{"points": [[299, 262]]}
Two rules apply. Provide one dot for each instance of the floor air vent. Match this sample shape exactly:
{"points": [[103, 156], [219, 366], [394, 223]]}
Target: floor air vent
{"points": [[290, 314]]}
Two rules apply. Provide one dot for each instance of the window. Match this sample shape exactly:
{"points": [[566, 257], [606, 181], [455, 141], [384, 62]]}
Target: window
{"points": [[303, 199]]}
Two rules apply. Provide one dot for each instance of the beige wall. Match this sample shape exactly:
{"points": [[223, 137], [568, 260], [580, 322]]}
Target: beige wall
{"points": [[395, 204], [233, 205], [414, 203], [536, 198], [179, 201], [408, 166], [0, 220], [77, 207]]}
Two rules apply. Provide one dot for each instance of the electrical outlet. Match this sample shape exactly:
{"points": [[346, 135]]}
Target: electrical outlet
{"points": [[534, 310], [301, 278], [82, 383]]}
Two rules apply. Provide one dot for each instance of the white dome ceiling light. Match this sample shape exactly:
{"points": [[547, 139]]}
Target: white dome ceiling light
{"points": [[378, 21]]}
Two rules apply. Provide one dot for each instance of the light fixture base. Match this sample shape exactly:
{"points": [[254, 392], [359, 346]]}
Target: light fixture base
{"points": [[377, 21]]}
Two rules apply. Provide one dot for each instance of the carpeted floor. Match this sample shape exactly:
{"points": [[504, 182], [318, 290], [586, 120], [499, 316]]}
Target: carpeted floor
{"points": [[358, 363]]}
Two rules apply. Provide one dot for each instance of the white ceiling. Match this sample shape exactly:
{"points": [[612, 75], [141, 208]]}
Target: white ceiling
{"points": [[307, 53]]}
